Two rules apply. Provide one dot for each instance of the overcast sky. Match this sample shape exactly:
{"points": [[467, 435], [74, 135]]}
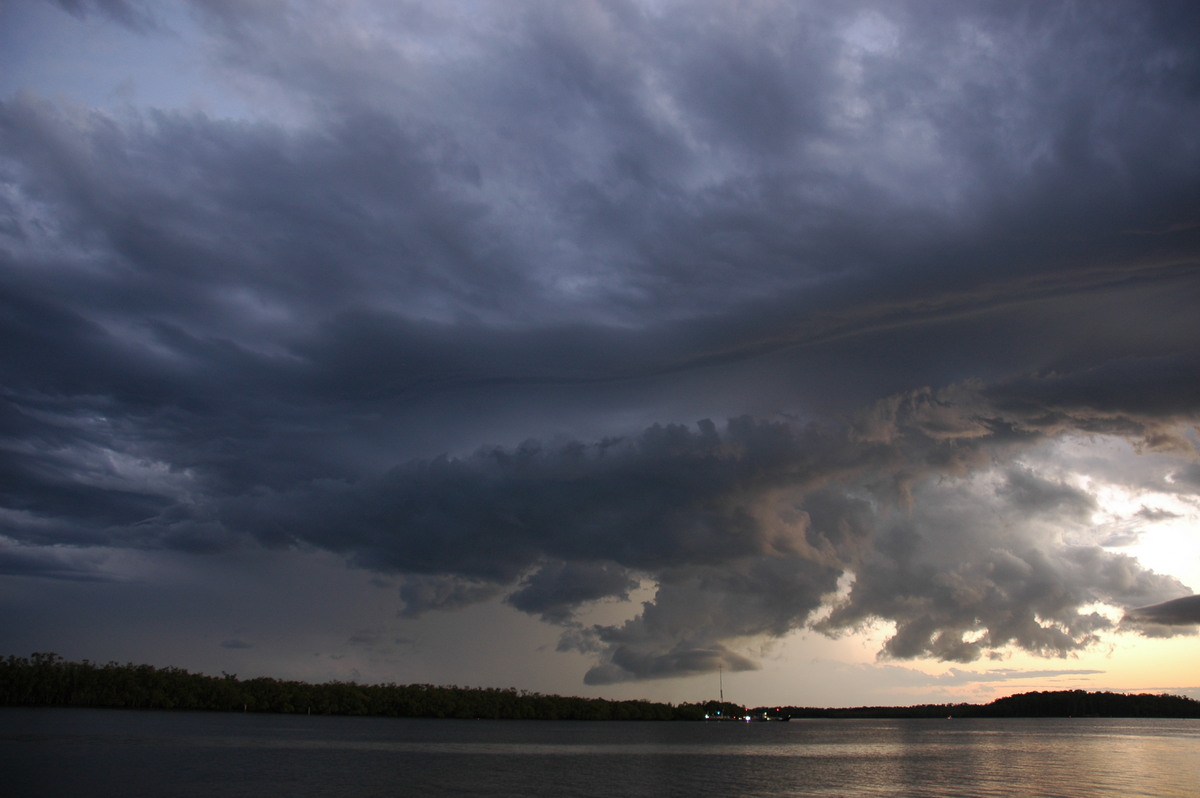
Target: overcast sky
{"points": [[596, 347]]}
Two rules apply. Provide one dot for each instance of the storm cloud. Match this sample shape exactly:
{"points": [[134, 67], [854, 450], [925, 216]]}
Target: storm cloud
{"points": [[783, 313], [1183, 611], [747, 531]]}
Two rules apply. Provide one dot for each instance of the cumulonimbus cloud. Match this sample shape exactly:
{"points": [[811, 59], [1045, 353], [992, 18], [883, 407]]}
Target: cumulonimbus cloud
{"points": [[750, 530]]}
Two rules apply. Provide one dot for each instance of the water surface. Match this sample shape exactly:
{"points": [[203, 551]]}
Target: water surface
{"points": [[57, 752]]}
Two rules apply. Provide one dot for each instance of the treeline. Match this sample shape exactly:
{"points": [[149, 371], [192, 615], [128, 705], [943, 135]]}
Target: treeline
{"points": [[48, 680], [1079, 704], [1046, 704]]}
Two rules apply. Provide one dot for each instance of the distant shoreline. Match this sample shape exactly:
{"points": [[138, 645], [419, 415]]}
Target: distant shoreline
{"points": [[47, 680]]}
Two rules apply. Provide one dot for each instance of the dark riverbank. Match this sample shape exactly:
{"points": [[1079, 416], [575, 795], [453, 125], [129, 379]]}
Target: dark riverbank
{"points": [[49, 680], [1056, 704]]}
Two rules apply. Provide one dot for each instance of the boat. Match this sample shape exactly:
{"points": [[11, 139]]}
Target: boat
{"points": [[718, 714]]}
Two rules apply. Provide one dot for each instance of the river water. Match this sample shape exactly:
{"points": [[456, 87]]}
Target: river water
{"points": [[100, 753]]}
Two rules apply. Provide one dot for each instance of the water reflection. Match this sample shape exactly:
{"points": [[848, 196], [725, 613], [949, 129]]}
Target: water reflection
{"points": [[101, 753]]}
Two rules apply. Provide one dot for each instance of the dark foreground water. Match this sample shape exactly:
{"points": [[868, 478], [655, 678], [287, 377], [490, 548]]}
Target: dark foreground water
{"points": [[67, 752]]}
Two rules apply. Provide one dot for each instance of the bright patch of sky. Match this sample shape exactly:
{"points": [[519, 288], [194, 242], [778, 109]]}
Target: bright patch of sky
{"points": [[90, 62]]}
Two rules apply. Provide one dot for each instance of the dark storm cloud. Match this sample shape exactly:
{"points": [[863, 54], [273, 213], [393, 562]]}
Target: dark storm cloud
{"points": [[1177, 616], [59, 563], [1176, 612], [556, 589], [1029, 493], [440, 592], [669, 495], [747, 531], [947, 235]]}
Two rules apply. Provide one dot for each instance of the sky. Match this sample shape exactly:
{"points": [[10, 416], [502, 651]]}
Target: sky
{"points": [[835, 353]]}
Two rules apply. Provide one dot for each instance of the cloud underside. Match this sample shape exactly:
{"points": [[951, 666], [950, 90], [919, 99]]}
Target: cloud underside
{"points": [[903, 256], [940, 513], [1184, 611], [748, 531]]}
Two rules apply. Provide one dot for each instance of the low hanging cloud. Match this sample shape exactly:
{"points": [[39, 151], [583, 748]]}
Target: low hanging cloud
{"points": [[1183, 611], [748, 530], [556, 589]]}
